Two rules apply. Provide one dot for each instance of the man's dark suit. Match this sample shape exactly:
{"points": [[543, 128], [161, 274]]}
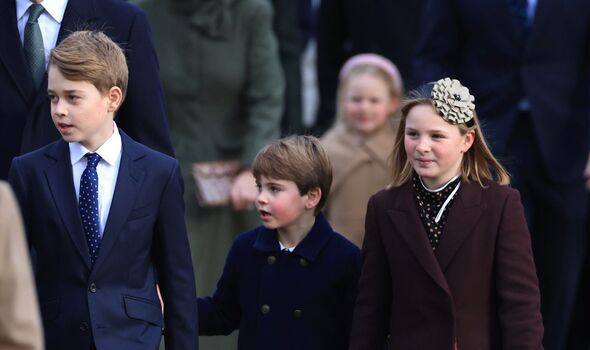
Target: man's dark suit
{"points": [[349, 27], [24, 111], [113, 302], [545, 148]]}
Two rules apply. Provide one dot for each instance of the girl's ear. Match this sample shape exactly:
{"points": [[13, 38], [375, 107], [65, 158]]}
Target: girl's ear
{"points": [[115, 96], [468, 139], [313, 197]]}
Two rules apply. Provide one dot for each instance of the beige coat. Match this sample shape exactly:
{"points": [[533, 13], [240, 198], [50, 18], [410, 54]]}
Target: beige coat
{"points": [[20, 323], [361, 168]]}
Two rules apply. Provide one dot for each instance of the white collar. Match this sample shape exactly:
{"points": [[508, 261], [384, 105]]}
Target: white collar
{"points": [[283, 247], [439, 188], [109, 151], [55, 8]]}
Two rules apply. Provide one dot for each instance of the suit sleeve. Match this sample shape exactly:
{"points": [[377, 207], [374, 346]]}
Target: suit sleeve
{"points": [[370, 322], [221, 314], [439, 44], [20, 324], [516, 280], [265, 85], [143, 113], [331, 54], [175, 270]]}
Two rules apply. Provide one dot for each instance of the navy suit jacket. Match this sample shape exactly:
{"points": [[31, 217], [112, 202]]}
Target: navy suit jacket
{"points": [[114, 302], [479, 43], [25, 111], [280, 300]]}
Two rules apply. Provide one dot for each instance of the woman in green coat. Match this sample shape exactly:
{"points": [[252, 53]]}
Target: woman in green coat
{"points": [[221, 75]]}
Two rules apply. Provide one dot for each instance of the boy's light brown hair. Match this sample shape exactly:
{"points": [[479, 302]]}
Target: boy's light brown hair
{"points": [[300, 159], [93, 57]]}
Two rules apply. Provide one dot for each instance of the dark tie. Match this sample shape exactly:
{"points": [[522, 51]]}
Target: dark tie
{"points": [[33, 44], [519, 9], [88, 204]]}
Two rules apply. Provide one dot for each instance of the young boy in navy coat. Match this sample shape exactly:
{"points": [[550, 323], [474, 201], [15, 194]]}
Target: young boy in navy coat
{"points": [[290, 283], [104, 215]]}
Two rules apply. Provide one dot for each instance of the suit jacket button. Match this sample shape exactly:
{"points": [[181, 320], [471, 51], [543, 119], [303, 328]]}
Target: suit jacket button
{"points": [[92, 287], [83, 326], [297, 313], [265, 309], [303, 262], [271, 259]]}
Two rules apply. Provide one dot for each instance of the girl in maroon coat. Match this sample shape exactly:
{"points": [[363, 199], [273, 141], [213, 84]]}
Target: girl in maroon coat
{"points": [[447, 253]]}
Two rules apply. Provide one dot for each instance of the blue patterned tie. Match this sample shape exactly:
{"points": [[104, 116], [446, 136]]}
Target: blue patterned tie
{"points": [[33, 44], [88, 204]]}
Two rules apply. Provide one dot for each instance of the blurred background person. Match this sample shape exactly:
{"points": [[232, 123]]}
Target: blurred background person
{"points": [[224, 92], [20, 322], [528, 63], [30, 29], [349, 27], [361, 139]]}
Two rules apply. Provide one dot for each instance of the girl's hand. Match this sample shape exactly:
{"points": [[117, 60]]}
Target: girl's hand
{"points": [[243, 191], [587, 174]]}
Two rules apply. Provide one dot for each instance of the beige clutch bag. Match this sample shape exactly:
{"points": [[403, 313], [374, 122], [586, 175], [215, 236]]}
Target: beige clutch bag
{"points": [[214, 180]]}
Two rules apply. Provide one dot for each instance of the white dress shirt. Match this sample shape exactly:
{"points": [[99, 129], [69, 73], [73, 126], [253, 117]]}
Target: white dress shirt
{"points": [[49, 21], [107, 171]]}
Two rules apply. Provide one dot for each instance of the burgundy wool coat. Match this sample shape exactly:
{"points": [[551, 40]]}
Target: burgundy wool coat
{"points": [[479, 290]]}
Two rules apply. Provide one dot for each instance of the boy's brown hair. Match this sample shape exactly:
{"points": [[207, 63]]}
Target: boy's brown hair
{"points": [[93, 57], [300, 159]]}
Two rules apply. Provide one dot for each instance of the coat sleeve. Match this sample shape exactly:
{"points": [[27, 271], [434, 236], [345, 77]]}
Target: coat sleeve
{"points": [[221, 314], [516, 280], [143, 113], [175, 270], [439, 45], [371, 314], [20, 324], [331, 53], [265, 85]]}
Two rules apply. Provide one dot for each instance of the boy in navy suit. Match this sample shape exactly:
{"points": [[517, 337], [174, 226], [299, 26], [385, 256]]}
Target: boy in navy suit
{"points": [[290, 283], [104, 215]]}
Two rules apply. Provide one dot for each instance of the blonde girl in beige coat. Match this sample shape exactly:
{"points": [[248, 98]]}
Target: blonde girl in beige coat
{"points": [[360, 141]]}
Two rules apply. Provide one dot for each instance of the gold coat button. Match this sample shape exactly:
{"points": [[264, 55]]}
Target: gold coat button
{"points": [[265, 309], [297, 313], [271, 259], [303, 262]]}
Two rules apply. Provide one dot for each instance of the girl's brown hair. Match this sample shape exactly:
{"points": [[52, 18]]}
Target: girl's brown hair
{"points": [[478, 162]]}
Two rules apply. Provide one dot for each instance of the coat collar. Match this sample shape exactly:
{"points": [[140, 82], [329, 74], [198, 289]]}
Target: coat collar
{"points": [[463, 217], [352, 150], [60, 181], [309, 249]]}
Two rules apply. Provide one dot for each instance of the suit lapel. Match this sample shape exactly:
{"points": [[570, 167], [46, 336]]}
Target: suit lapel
{"points": [[543, 12], [463, 216], [129, 181], [61, 184], [407, 222], [11, 50], [79, 15]]}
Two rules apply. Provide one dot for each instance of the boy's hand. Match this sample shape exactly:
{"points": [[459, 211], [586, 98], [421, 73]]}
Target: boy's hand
{"points": [[243, 191], [587, 174]]}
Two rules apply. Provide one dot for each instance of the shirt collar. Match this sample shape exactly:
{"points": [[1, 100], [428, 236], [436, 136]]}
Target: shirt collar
{"points": [[109, 151], [309, 248], [55, 8]]}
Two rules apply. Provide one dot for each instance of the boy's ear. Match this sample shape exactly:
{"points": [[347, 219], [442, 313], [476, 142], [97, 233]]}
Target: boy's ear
{"points": [[313, 197], [115, 96]]}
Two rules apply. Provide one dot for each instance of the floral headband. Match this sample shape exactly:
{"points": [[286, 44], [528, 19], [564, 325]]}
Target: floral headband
{"points": [[453, 101]]}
